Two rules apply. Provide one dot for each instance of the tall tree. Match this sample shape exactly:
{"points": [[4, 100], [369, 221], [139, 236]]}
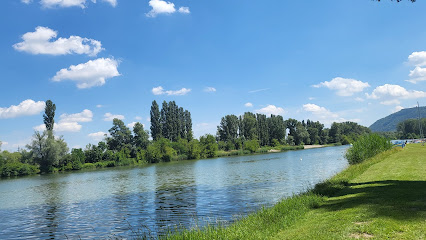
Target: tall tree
{"points": [[249, 126], [228, 128], [121, 137], [155, 121], [262, 129], [49, 116], [140, 138]]}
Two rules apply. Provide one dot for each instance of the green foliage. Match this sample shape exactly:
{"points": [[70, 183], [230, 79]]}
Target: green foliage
{"points": [[251, 145], [410, 128], [194, 149], [156, 126], [366, 147], [208, 145], [49, 115], [140, 139], [47, 151], [12, 169], [228, 128], [121, 136]]}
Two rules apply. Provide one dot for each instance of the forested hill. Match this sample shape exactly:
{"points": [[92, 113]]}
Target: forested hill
{"points": [[389, 123]]}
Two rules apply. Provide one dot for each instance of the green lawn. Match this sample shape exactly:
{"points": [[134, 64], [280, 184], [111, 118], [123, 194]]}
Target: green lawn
{"points": [[387, 201], [381, 198]]}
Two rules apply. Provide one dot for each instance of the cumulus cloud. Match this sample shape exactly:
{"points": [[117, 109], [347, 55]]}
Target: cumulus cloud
{"points": [[90, 74], [324, 115], [69, 122], [249, 104], [160, 91], [417, 75], [271, 109], [392, 94], [41, 42], [85, 116], [164, 7], [417, 59], [25, 108], [160, 7], [131, 125], [184, 10], [110, 117], [344, 86], [97, 136], [209, 89]]}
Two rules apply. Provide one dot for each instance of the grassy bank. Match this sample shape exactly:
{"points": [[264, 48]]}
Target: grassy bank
{"points": [[383, 197]]}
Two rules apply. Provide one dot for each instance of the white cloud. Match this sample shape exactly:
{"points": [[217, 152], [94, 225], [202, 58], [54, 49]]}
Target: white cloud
{"points": [[26, 1], [85, 116], [271, 109], [138, 118], [112, 2], [63, 3], [184, 10], [358, 99], [417, 75], [110, 117], [160, 7], [344, 86], [131, 125], [25, 108], [160, 91], [99, 106], [39, 42], [69, 122], [324, 115], [311, 98], [417, 58], [392, 94], [90, 74], [209, 89], [249, 104], [397, 109], [97, 136]]}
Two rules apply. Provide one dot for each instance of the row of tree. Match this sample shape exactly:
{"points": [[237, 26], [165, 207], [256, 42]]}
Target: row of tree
{"points": [[172, 139], [272, 131]]}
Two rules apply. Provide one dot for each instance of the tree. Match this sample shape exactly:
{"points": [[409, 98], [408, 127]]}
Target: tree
{"points": [[49, 116], [188, 125], [155, 121], [120, 136], [262, 129], [47, 151], [228, 128], [209, 145], [140, 139], [248, 126]]}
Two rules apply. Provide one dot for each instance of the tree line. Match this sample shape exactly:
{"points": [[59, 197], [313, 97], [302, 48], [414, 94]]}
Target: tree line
{"points": [[407, 129], [171, 140]]}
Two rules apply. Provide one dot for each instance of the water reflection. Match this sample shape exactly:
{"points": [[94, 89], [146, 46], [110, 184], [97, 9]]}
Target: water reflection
{"points": [[121, 201]]}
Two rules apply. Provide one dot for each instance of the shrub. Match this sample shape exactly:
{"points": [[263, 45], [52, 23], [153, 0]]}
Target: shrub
{"points": [[251, 145], [367, 146]]}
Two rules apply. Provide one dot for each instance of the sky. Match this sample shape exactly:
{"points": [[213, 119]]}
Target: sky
{"points": [[330, 60]]}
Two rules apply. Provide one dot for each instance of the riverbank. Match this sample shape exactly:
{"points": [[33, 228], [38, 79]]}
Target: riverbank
{"points": [[383, 197]]}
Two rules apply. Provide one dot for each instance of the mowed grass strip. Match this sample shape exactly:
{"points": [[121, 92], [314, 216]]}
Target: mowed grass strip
{"points": [[386, 201], [381, 198]]}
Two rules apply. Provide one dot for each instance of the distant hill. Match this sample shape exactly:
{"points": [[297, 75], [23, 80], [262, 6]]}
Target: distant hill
{"points": [[389, 123]]}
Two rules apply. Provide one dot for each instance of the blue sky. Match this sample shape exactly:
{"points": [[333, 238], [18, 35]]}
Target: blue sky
{"points": [[320, 60]]}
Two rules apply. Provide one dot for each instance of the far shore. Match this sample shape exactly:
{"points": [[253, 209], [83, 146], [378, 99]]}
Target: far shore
{"points": [[314, 146]]}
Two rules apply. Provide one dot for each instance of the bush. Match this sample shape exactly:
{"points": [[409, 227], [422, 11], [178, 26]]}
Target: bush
{"points": [[251, 145], [367, 146], [88, 166], [17, 169]]}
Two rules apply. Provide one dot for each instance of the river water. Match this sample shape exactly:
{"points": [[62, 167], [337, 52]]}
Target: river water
{"points": [[121, 201]]}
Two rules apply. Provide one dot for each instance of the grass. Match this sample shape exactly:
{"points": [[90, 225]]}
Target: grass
{"points": [[381, 198]]}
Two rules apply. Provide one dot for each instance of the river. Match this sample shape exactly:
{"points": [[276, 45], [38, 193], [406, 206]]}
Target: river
{"points": [[118, 202]]}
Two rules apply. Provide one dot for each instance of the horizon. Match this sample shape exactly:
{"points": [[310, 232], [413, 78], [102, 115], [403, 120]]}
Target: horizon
{"points": [[326, 61]]}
